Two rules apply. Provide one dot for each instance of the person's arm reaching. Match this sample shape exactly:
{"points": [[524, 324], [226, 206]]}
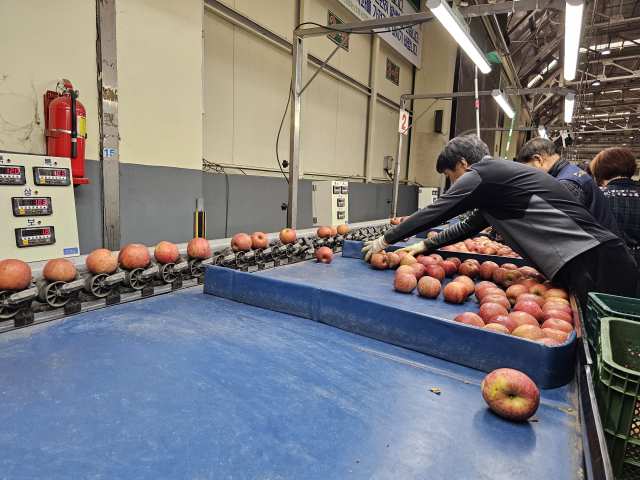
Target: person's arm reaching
{"points": [[463, 196], [470, 226]]}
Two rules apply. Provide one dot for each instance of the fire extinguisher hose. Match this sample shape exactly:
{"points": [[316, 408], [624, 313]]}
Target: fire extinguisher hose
{"points": [[74, 126]]}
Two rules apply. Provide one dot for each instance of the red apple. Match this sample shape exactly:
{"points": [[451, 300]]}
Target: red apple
{"points": [[14, 275], [505, 321], [493, 291], [510, 394], [510, 277], [401, 253], [449, 268], [509, 266], [469, 318], [496, 299], [486, 270], [473, 261], [490, 251], [59, 270], [529, 307], [496, 327], [404, 218], [556, 306], [455, 292], [241, 242], [456, 261], [523, 318], [527, 297], [538, 290], [514, 291], [497, 275], [405, 283], [527, 282], [429, 287], [408, 260], [490, 310], [395, 221], [102, 261], [436, 257], [419, 269], [343, 229], [431, 234], [324, 232], [467, 282], [559, 335], [198, 248], [548, 341], [558, 314], [468, 270], [557, 301], [482, 286], [436, 271], [287, 236], [259, 240], [325, 255], [427, 261], [334, 230], [134, 256], [530, 332], [379, 261], [405, 269], [394, 260], [167, 252], [557, 324], [555, 292]]}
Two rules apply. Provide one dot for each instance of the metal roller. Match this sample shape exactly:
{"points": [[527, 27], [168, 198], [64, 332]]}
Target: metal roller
{"points": [[49, 293], [166, 273], [133, 278], [95, 285], [11, 302]]}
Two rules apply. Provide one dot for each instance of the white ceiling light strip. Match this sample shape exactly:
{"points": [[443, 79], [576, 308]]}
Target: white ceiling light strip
{"points": [[572, 27]]}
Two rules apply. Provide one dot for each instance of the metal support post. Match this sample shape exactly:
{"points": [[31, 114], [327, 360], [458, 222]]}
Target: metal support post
{"points": [[506, 151], [108, 115], [294, 152], [477, 104], [373, 99], [396, 176]]}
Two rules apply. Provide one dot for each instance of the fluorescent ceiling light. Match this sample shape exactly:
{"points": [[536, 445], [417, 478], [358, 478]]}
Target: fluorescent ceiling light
{"points": [[588, 107], [543, 131], [569, 102], [605, 47], [606, 51], [596, 83], [579, 138], [458, 31], [499, 97], [572, 25]]}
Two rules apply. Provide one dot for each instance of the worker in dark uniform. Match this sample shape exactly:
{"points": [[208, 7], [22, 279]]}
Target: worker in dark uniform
{"points": [[541, 154], [537, 217], [613, 169]]}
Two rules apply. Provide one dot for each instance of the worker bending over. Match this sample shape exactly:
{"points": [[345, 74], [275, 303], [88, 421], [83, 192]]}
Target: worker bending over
{"points": [[536, 215], [541, 154]]}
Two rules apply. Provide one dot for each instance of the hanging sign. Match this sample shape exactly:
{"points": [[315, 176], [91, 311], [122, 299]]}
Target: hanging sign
{"points": [[403, 125], [338, 38], [407, 41], [393, 72]]}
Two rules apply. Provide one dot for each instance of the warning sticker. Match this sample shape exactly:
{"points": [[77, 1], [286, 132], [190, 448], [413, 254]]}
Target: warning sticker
{"points": [[82, 126]]}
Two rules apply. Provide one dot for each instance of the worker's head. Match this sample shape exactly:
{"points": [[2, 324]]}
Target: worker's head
{"points": [[613, 163], [458, 154], [540, 153]]}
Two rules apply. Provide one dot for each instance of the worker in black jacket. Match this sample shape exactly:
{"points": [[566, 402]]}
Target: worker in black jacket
{"points": [[541, 154], [537, 217]]}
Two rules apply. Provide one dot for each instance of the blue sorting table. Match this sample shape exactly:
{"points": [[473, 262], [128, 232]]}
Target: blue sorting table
{"points": [[188, 385]]}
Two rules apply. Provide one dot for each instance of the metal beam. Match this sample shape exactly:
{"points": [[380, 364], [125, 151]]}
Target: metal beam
{"points": [[471, 11], [294, 150], [544, 54], [371, 120], [106, 56]]}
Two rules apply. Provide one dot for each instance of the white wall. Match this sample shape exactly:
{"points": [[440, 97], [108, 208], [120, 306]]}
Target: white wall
{"points": [[159, 82], [41, 43]]}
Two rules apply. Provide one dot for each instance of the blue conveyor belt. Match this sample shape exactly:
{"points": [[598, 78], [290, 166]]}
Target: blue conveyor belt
{"points": [[187, 385]]}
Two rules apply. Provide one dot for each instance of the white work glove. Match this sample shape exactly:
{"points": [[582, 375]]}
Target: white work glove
{"points": [[375, 246], [414, 249]]}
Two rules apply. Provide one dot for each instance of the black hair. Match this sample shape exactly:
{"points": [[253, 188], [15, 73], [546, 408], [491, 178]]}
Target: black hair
{"points": [[537, 146], [585, 165], [469, 146]]}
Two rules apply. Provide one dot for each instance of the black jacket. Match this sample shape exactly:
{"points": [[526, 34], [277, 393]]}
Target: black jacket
{"points": [[537, 216]]}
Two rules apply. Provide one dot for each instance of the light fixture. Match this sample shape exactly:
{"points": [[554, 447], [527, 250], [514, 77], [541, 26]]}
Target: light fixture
{"points": [[572, 25], [583, 126], [542, 132], [596, 83], [499, 97], [588, 107], [458, 30], [569, 102], [624, 144], [606, 51], [579, 138]]}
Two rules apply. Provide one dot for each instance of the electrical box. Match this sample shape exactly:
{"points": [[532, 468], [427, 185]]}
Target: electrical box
{"points": [[330, 202], [426, 196], [37, 208]]}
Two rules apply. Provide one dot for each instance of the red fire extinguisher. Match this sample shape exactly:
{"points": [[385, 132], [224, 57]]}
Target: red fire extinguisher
{"points": [[65, 127]]}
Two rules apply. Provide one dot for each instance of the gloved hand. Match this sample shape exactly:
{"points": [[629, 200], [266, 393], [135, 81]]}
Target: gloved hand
{"points": [[414, 249], [375, 246]]}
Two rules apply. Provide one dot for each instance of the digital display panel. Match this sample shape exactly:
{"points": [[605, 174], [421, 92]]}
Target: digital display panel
{"points": [[51, 176], [9, 170], [33, 237], [12, 175], [30, 206], [32, 202]]}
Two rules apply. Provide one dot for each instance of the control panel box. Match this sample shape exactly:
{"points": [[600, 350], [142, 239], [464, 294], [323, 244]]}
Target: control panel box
{"points": [[426, 196], [37, 208], [330, 203]]}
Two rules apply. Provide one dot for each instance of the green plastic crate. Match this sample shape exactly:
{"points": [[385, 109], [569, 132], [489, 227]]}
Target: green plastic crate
{"points": [[601, 305], [617, 391]]}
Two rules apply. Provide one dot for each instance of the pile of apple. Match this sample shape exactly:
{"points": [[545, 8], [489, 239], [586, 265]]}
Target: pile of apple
{"points": [[479, 245]]}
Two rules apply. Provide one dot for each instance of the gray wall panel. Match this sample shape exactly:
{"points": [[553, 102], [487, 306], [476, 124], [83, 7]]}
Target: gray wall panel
{"points": [[88, 200], [157, 203]]}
